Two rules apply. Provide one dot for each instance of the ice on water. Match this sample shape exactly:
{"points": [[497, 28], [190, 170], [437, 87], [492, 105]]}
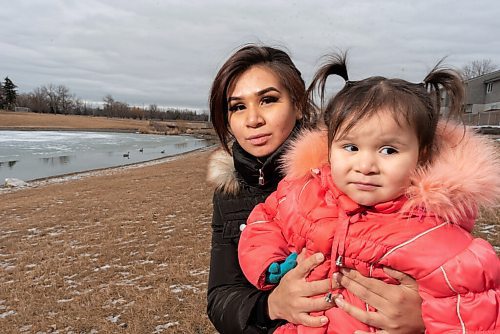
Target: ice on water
{"points": [[29, 155]]}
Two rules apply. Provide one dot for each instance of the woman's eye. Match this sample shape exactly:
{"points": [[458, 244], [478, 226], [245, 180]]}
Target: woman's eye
{"points": [[350, 148], [236, 107], [388, 150], [269, 99]]}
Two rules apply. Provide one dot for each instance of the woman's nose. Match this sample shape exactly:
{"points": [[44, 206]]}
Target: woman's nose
{"points": [[254, 116]]}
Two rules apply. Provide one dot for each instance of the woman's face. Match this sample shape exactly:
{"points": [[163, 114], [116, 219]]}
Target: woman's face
{"points": [[261, 113]]}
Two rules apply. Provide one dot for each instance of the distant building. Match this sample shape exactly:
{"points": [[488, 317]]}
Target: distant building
{"points": [[483, 93]]}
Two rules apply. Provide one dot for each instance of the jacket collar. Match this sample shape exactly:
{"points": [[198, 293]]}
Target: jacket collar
{"points": [[228, 173], [257, 172]]}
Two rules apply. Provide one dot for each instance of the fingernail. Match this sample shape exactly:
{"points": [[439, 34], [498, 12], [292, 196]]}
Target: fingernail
{"points": [[320, 257], [339, 301], [344, 271], [336, 277], [324, 320]]}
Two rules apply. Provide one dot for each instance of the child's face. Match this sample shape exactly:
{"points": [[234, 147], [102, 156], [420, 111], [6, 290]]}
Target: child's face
{"points": [[372, 163], [261, 112]]}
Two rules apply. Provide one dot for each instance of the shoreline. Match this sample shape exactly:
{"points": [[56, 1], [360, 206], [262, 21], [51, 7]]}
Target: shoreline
{"points": [[28, 128], [208, 137]]}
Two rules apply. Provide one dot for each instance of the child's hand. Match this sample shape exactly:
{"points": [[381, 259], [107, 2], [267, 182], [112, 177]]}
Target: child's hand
{"points": [[277, 270]]}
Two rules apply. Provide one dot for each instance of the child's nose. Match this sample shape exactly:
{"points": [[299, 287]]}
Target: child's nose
{"points": [[367, 164]]}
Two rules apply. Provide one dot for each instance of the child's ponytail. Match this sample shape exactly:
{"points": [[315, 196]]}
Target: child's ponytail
{"points": [[335, 65], [451, 82]]}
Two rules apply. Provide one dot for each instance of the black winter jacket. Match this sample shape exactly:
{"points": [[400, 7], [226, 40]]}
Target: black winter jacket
{"points": [[234, 305]]}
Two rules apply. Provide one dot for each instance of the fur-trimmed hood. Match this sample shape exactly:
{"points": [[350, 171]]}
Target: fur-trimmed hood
{"points": [[464, 174], [228, 172], [221, 172]]}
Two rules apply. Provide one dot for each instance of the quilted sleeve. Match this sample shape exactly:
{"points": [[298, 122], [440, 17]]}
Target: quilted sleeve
{"points": [[463, 294], [263, 242]]}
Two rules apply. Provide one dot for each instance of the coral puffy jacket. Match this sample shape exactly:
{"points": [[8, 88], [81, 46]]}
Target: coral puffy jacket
{"points": [[425, 233]]}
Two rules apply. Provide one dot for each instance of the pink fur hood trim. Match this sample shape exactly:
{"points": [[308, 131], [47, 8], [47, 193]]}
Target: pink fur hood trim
{"points": [[463, 176]]}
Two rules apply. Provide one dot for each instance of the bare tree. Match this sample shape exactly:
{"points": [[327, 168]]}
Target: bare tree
{"points": [[108, 105], [65, 100], [478, 67], [153, 111], [39, 101], [50, 92]]}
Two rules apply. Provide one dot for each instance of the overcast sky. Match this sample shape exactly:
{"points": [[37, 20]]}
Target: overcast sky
{"points": [[167, 52]]}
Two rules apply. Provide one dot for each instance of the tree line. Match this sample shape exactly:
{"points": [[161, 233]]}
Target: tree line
{"points": [[59, 100]]}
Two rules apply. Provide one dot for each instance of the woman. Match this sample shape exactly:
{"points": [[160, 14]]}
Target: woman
{"points": [[258, 101]]}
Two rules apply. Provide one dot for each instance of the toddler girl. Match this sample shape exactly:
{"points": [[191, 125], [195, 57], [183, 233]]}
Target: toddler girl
{"points": [[387, 184]]}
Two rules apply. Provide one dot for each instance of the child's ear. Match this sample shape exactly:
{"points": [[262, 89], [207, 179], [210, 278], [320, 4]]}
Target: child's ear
{"points": [[423, 156]]}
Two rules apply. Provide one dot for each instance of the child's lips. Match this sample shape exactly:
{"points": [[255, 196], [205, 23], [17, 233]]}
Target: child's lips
{"points": [[365, 186]]}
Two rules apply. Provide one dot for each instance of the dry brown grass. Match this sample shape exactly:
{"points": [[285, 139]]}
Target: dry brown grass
{"points": [[26, 120], [31, 121], [126, 252], [488, 227]]}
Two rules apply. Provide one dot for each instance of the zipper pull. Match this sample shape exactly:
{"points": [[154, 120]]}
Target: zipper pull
{"points": [[261, 177]]}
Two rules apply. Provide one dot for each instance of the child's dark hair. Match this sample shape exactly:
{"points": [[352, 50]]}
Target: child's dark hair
{"points": [[242, 60], [418, 104]]}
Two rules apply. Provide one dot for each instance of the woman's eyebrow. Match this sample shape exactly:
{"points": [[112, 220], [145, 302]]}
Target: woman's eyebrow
{"points": [[259, 93], [267, 90]]}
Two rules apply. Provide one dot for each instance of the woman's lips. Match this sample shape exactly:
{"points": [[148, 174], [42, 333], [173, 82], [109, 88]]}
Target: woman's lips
{"points": [[259, 140]]}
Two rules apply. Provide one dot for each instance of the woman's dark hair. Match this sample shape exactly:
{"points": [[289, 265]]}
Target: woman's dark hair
{"points": [[418, 104], [242, 60]]}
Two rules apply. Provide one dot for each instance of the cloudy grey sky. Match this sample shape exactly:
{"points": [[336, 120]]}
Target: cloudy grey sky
{"points": [[167, 52]]}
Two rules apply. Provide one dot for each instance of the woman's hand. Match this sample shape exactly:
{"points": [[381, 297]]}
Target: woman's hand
{"points": [[398, 306], [290, 299]]}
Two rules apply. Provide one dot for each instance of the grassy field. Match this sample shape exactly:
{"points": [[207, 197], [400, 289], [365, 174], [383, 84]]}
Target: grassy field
{"points": [[28, 120], [124, 250]]}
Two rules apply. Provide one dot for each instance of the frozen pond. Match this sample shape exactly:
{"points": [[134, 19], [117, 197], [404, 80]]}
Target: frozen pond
{"points": [[29, 155]]}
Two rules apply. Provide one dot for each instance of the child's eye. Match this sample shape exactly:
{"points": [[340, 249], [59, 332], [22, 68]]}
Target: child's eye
{"points": [[350, 148], [236, 107], [388, 150], [269, 99]]}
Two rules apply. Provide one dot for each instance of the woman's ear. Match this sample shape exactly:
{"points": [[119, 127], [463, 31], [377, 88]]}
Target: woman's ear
{"points": [[298, 114]]}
